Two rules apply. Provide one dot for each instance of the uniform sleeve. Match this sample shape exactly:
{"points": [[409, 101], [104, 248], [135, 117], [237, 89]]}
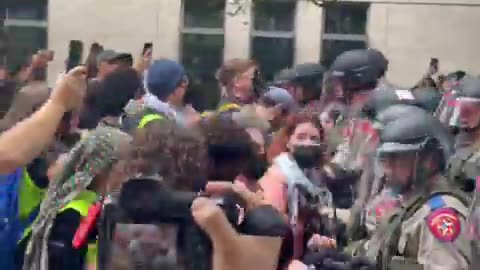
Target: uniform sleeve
{"points": [[443, 244]]}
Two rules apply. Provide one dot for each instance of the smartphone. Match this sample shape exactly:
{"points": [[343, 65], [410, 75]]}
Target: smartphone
{"points": [[75, 54], [433, 65], [147, 46]]}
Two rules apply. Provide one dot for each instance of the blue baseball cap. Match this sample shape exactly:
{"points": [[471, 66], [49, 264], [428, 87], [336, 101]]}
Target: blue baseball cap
{"points": [[163, 77], [276, 96]]}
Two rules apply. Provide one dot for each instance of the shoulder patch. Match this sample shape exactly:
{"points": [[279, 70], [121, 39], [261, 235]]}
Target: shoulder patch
{"points": [[444, 224]]}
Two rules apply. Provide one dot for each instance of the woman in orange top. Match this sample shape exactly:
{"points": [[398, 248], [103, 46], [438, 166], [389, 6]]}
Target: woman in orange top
{"points": [[298, 144]]}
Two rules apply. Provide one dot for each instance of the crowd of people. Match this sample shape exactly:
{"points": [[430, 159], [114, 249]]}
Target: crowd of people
{"points": [[319, 169]]}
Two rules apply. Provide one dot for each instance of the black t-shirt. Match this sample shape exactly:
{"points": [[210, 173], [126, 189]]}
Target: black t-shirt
{"points": [[61, 253]]}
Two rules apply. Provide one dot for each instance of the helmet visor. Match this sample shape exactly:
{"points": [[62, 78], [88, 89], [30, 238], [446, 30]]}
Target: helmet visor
{"points": [[445, 108], [362, 141], [466, 112]]}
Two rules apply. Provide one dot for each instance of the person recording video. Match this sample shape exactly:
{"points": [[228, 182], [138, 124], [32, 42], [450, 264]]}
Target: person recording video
{"points": [[223, 227]]}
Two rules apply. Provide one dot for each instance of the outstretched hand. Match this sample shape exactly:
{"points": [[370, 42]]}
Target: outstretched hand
{"points": [[231, 250]]}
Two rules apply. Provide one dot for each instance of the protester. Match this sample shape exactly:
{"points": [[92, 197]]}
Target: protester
{"points": [[106, 104], [23, 142], [281, 103], [86, 174], [236, 78], [267, 181], [32, 95], [170, 153], [295, 153], [109, 60]]}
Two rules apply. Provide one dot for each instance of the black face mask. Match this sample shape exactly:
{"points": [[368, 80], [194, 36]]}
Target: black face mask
{"points": [[307, 156], [256, 168]]}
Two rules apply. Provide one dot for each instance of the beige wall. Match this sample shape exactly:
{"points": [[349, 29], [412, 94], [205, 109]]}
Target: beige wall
{"points": [[409, 33]]}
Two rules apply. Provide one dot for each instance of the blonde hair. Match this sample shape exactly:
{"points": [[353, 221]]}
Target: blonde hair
{"points": [[232, 68]]}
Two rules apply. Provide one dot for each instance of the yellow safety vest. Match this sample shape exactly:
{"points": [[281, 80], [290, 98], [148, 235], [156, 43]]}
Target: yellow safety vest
{"points": [[80, 204], [30, 196], [149, 118], [224, 108]]}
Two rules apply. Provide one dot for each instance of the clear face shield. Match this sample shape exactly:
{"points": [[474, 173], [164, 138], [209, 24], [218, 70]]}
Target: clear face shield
{"points": [[362, 140], [334, 90], [401, 166], [446, 108], [466, 113]]}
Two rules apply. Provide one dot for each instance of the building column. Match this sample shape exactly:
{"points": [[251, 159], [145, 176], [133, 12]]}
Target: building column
{"points": [[237, 30], [168, 33], [308, 31]]}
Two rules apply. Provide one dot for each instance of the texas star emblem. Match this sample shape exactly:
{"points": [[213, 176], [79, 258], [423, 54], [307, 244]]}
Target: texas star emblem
{"points": [[444, 224]]}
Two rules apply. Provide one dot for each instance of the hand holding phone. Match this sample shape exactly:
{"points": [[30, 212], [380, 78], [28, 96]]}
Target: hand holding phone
{"points": [[75, 54], [433, 66], [147, 50], [143, 63]]}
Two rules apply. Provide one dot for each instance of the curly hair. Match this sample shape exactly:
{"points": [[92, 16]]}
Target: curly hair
{"points": [[280, 140], [229, 147], [177, 155]]}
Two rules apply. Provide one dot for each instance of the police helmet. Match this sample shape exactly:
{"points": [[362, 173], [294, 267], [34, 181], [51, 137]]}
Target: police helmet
{"points": [[379, 100], [356, 70], [310, 77], [427, 98], [394, 112], [470, 87], [466, 105], [379, 60], [420, 134]]}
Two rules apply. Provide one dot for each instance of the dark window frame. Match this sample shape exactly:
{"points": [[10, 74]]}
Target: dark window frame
{"points": [[38, 22], [275, 34], [344, 37], [206, 102]]}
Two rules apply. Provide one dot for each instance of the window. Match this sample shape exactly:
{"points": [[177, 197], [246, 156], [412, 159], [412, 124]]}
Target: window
{"points": [[345, 29], [26, 28], [202, 50], [273, 35]]}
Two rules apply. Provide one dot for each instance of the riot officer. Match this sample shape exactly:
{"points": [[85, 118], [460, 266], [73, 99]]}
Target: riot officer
{"points": [[427, 98], [426, 229], [371, 184], [307, 83], [351, 80], [464, 166], [382, 65]]}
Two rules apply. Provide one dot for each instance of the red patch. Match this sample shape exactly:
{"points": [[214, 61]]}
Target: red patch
{"points": [[444, 224]]}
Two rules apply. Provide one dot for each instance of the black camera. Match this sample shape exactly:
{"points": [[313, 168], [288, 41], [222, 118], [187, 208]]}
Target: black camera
{"points": [[150, 226]]}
